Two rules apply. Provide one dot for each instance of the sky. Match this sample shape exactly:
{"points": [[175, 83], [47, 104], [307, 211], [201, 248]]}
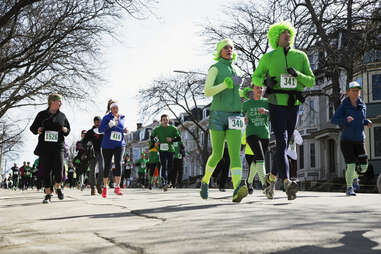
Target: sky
{"points": [[146, 50]]}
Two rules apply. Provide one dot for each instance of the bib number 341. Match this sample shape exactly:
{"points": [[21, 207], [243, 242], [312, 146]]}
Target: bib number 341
{"points": [[288, 81], [235, 123]]}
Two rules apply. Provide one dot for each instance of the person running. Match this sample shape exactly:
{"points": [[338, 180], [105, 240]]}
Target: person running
{"points": [[70, 175], [15, 176], [38, 173], [225, 121], [166, 134], [178, 164], [52, 126], [28, 176], [296, 139], [285, 71], [257, 133], [351, 116], [22, 176], [95, 138], [153, 162], [127, 168], [113, 144], [142, 169]]}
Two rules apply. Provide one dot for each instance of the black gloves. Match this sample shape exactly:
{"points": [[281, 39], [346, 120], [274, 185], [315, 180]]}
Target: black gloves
{"points": [[270, 82], [292, 72]]}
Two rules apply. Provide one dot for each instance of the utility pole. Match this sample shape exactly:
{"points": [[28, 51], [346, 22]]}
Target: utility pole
{"points": [[2, 150]]}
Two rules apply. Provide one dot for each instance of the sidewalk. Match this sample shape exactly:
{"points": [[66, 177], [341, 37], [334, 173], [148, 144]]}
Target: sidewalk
{"points": [[178, 221]]}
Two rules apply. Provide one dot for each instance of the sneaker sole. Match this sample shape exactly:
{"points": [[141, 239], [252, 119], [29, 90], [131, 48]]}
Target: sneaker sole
{"points": [[242, 193]]}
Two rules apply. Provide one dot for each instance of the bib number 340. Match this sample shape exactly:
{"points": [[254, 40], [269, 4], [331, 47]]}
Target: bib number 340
{"points": [[235, 122]]}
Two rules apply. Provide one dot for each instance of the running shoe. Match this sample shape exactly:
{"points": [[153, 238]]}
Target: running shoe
{"points": [[47, 199], [270, 187], [60, 195], [250, 188], [165, 187], [118, 191], [291, 188], [99, 189], [104, 193], [350, 192], [204, 190], [356, 184], [93, 193], [240, 193]]}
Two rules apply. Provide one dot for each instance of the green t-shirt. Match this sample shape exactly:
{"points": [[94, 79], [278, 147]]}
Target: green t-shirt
{"points": [[258, 124], [28, 171], [153, 157], [162, 133], [275, 64], [141, 163]]}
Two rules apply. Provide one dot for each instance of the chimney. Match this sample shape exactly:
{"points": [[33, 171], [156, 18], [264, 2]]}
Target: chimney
{"points": [[138, 126]]}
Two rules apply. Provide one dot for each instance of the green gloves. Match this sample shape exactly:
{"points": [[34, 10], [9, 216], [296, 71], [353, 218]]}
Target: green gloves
{"points": [[229, 82]]}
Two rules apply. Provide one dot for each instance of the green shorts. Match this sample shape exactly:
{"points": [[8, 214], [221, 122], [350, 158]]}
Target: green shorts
{"points": [[218, 120]]}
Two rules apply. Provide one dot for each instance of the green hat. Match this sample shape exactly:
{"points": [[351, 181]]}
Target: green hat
{"points": [[220, 45], [276, 29]]}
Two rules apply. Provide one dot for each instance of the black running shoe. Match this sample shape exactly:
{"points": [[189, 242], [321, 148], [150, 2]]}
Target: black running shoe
{"points": [[60, 195], [47, 199], [250, 188]]}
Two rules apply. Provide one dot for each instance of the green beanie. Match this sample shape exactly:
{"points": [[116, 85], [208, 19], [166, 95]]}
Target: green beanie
{"points": [[276, 29], [220, 45]]}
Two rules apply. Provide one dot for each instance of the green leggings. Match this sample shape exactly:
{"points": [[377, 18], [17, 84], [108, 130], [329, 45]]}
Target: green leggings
{"points": [[233, 139]]}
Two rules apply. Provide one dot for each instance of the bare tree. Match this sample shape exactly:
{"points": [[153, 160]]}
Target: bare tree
{"points": [[178, 94], [52, 46], [10, 138]]}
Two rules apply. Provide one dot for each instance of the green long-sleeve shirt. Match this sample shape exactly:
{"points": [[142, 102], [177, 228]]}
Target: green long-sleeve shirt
{"points": [[275, 64]]}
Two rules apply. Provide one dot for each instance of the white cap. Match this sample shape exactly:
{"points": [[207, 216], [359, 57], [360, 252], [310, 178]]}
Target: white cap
{"points": [[354, 84]]}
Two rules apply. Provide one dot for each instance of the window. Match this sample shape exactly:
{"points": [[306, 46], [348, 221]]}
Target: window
{"points": [[312, 155], [301, 156], [376, 87], [377, 141]]}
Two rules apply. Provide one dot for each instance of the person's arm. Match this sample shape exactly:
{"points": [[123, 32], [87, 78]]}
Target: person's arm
{"points": [[36, 124], [177, 136], [104, 124], [67, 126], [211, 89], [306, 76], [339, 117], [260, 71]]}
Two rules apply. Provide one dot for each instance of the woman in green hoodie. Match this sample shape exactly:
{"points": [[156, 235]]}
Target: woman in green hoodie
{"points": [[286, 72], [225, 121]]}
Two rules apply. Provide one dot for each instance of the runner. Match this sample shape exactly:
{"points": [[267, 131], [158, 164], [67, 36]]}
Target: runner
{"points": [[153, 162], [285, 71], [142, 169], [81, 161], [296, 139], [95, 138], [257, 136], [113, 144], [51, 125], [127, 167], [166, 135], [225, 121], [71, 175], [15, 176], [28, 176], [178, 165], [351, 116]]}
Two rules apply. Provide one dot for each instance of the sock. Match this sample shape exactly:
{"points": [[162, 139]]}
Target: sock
{"points": [[236, 177], [349, 173], [272, 178], [260, 166], [252, 173], [208, 174]]}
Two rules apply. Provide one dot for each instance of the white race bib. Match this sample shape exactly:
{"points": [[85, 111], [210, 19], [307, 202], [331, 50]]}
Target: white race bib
{"points": [[16, 173], [116, 136], [236, 122], [288, 81], [51, 136], [164, 147]]}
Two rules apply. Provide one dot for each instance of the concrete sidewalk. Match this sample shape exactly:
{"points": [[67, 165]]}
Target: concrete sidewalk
{"points": [[178, 221]]}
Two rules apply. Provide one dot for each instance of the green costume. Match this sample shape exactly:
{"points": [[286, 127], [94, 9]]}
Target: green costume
{"points": [[141, 163], [225, 109]]}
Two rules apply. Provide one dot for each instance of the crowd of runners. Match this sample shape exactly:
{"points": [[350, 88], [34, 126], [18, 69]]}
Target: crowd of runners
{"points": [[238, 116]]}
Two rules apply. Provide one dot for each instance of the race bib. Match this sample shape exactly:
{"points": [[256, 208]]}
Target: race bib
{"points": [[51, 136], [236, 122], [16, 173], [116, 136], [176, 144], [288, 81], [164, 147]]}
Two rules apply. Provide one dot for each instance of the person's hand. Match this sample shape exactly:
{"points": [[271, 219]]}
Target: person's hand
{"points": [[112, 123], [237, 80], [64, 129], [370, 124], [40, 130], [270, 82], [246, 120], [262, 111], [157, 144], [229, 82], [350, 119], [292, 72], [169, 139], [125, 130]]}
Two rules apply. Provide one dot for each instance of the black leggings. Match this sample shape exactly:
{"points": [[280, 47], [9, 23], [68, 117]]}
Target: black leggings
{"points": [[52, 162], [107, 160], [258, 146]]}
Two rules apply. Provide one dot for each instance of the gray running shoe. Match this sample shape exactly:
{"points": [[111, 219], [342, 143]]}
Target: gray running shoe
{"points": [[291, 189], [270, 187]]}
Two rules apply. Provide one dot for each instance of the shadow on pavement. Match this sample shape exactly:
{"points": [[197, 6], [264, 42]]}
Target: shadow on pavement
{"points": [[353, 242]]}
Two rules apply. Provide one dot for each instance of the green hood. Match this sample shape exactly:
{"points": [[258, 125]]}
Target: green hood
{"points": [[276, 29], [220, 45]]}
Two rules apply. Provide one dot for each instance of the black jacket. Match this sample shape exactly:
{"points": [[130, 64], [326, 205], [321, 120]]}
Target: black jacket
{"points": [[94, 138], [50, 122]]}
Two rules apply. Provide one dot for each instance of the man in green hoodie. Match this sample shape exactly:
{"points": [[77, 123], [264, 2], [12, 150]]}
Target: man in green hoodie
{"points": [[286, 72]]}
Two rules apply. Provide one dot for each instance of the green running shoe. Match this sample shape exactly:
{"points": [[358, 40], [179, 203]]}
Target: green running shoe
{"points": [[204, 190], [239, 193]]}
